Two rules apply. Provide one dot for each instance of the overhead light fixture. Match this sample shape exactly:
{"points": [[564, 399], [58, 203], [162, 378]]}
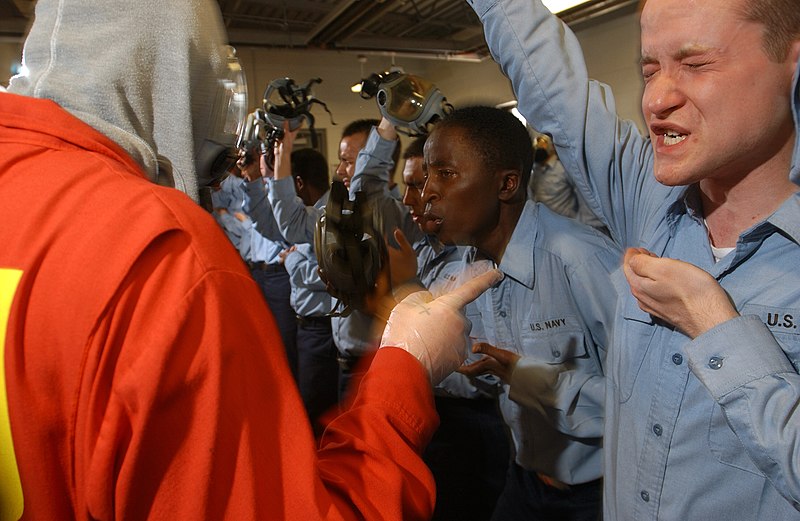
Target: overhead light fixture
{"points": [[556, 6], [357, 87]]}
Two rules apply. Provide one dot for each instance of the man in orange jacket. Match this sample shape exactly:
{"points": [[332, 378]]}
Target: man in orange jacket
{"points": [[142, 376]]}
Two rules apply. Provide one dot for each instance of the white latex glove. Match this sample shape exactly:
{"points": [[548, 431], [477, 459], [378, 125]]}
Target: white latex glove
{"points": [[467, 270], [435, 331]]}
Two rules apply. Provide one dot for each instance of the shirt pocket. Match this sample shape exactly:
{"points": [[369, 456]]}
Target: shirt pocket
{"points": [[725, 445], [557, 346], [625, 358]]}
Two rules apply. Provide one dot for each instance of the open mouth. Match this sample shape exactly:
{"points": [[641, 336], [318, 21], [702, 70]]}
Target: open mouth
{"points": [[673, 138], [432, 217]]}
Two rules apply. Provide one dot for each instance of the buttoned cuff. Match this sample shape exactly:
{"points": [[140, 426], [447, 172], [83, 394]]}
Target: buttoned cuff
{"points": [[734, 354]]}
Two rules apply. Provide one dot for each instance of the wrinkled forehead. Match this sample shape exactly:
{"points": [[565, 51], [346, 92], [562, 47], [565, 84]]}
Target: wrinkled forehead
{"points": [[675, 27], [655, 11]]}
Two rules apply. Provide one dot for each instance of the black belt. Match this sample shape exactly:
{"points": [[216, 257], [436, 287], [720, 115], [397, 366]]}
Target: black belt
{"points": [[313, 321], [263, 266]]}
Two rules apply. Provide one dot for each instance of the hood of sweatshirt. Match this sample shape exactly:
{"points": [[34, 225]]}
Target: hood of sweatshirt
{"points": [[144, 73]]}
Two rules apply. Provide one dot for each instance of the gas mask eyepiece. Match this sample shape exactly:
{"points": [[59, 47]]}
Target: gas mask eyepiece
{"points": [[411, 103], [228, 116]]}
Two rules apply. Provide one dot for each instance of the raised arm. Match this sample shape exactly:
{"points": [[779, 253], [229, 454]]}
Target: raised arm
{"points": [[607, 158]]}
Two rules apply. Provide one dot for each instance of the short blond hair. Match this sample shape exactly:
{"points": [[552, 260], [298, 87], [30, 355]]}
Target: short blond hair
{"points": [[781, 21]]}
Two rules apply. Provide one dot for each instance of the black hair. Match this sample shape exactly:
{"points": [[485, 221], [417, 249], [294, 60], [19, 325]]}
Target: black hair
{"points": [[312, 167], [359, 126], [498, 136], [415, 148]]}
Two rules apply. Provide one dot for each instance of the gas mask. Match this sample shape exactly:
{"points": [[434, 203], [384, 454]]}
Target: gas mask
{"points": [[350, 249], [283, 101], [229, 110], [412, 104]]}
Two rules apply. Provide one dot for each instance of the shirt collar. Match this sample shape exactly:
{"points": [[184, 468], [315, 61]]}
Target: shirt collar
{"points": [[322, 201], [517, 260], [786, 218], [688, 203]]}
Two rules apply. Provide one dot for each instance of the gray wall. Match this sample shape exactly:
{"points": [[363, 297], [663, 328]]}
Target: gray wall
{"points": [[611, 49]]}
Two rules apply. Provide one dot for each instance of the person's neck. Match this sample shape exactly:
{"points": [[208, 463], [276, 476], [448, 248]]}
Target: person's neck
{"points": [[494, 244], [731, 207]]}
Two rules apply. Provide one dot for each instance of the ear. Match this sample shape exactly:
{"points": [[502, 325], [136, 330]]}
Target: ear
{"points": [[510, 184], [794, 56], [298, 184]]}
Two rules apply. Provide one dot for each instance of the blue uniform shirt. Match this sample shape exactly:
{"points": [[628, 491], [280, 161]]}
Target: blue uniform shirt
{"points": [[309, 295], [696, 429], [555, 308], [238, 226]]}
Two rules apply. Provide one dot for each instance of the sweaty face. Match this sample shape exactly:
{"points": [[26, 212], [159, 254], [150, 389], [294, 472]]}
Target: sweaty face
{"points": [[460, 195], [349, 147], [716, 106]]}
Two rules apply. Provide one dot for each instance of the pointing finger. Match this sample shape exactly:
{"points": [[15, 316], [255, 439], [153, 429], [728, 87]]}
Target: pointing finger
{"points": [[471, 290]]}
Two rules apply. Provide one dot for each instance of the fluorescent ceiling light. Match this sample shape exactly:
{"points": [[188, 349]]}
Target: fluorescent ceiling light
{"points": [[556, 6]]}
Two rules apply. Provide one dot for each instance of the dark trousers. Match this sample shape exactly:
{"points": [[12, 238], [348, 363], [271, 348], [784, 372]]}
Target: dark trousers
{"points": [[317, 368], [468, 456], [274, 282], [528, 498]]}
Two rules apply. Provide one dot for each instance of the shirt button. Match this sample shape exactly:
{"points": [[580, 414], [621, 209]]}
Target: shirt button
{"points": [[503, 314], [645, 496], [657, 429], [677, 359], [715, 362]]}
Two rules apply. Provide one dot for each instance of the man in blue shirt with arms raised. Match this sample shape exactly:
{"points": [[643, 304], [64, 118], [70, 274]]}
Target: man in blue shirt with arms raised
{"points": [[702, 414]]}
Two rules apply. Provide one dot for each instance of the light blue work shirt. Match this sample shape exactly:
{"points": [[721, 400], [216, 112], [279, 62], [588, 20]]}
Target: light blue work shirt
{"points": [[696, 429], [257, 206], [243, 233], [296, 222], [555, 308], [550, 185], [309, 296]]}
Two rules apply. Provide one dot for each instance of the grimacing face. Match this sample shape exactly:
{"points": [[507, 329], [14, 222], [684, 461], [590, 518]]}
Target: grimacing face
{"points": [[461, 194], [715, 105], [349, 147]]}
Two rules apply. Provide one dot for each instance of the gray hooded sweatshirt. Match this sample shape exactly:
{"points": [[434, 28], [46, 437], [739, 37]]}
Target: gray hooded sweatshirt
{"points": [[152, 91]]}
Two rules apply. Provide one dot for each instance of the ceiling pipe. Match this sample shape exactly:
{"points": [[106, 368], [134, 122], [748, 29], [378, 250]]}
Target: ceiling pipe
{"points": [[370, 17], [455, 57], [329, 19]]}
